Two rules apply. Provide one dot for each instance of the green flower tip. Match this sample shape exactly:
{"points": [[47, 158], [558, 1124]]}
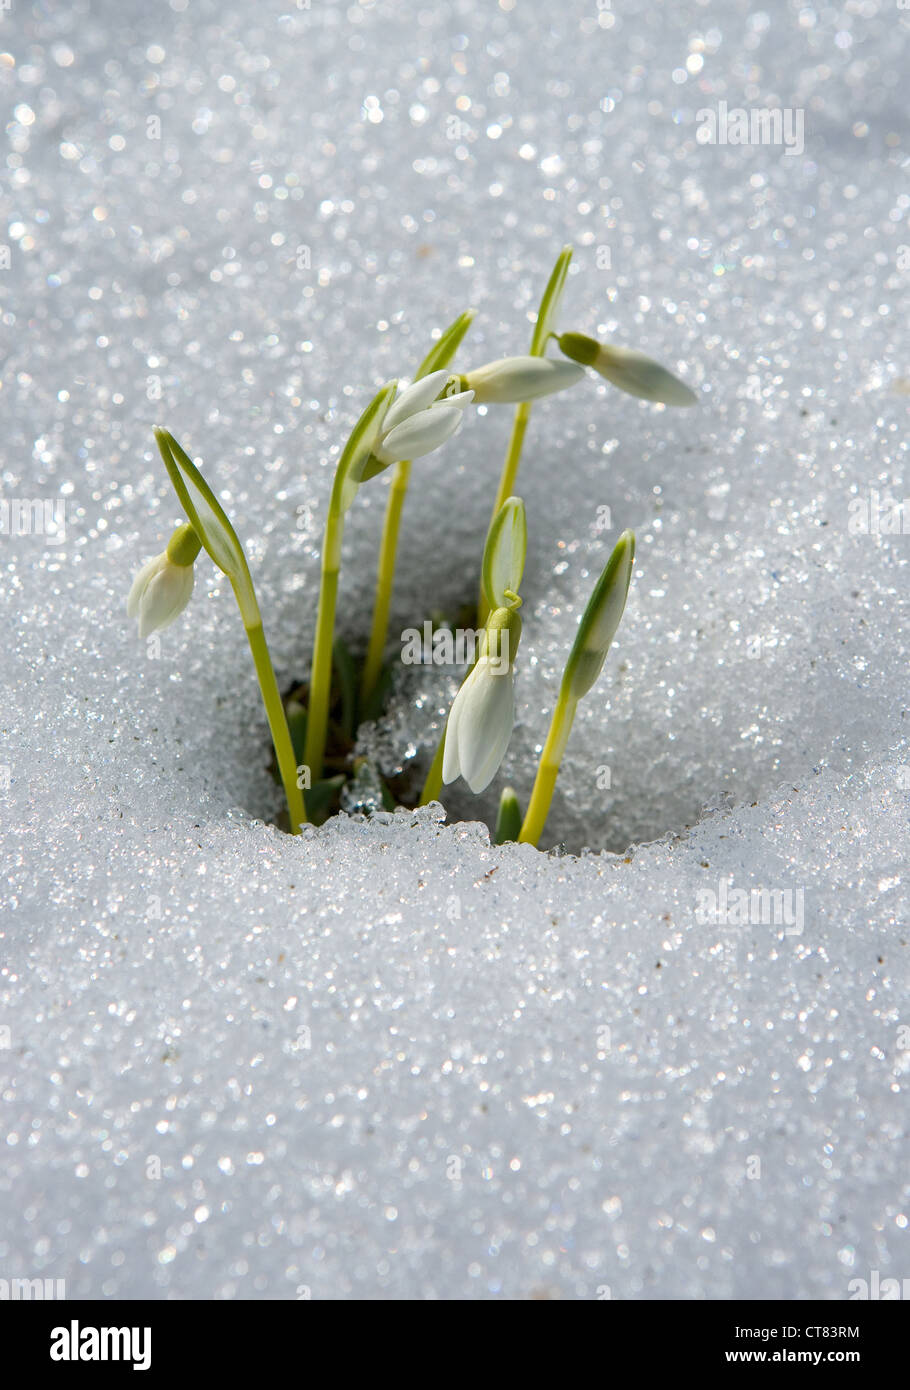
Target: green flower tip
{"points": [[579, 347], [183, 546], [501, 637]]}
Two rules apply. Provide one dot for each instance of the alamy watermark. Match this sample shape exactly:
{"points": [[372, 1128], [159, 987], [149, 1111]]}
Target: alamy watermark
{"points": [[760, 125], [740, 907], [35, 516], [32, 1290], [876, 1289], [446, 646], [876, 515]]}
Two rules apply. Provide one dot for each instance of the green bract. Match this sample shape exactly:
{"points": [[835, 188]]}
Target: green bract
{"points": [[551, 302], [209, 520], [442, 351], [357, 455], [504, 554], [600, 619]]}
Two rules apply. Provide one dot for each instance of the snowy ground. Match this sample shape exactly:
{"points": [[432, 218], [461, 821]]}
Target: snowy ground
{"points": [[388, 1060]]}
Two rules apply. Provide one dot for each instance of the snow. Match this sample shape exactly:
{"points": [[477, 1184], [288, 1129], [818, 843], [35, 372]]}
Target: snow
{"points": [[387, 1059]]}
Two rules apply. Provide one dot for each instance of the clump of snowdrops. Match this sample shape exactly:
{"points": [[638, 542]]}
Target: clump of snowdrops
{"points": [[400, 425]]}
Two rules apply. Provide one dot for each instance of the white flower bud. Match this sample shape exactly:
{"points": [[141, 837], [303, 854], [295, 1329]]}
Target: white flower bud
{"points": [[628, 369], [483, 712], [416, 423], [514, 379], [163, 587]]}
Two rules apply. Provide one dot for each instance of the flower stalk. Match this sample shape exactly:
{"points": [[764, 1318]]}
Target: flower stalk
{"points": [[212, 529], [385, 578], [349, 475], [595, 633], [546, 317], [439, 356]]}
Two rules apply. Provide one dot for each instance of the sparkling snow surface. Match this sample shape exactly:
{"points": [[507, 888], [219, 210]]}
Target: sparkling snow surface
{"points": [[388, 1060]]}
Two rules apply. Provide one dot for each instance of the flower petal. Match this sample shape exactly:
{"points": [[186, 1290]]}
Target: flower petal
{"points": [[480, 726], [515, 379], [460, 398], [418, 396], [482, 762], [165, 598], [639, 375], [419, 434], [141, 583], [451, 766]]}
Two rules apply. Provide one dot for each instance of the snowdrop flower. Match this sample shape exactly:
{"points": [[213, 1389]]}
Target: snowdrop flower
{"points": [[483, 712], [162, 588], [417, 422], [628, 369], [514, 379]]}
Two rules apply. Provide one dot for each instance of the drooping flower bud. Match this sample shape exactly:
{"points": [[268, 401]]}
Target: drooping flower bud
{"points": [[628, 369], [163, 587], [483, 712]]}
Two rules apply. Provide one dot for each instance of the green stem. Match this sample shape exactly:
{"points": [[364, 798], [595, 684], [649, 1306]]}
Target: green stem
{"points": [[548, 769], [549, 307], [439, 356], [513, 457], [278, 725], [385, 578], [321, 669]]}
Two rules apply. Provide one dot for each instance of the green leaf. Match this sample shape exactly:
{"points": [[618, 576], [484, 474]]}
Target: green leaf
{"points": [[442, 352], [549, 305], [504, 553], [296, 717], [600, 620], [373, 468], [508, 821], [359, 448]]}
